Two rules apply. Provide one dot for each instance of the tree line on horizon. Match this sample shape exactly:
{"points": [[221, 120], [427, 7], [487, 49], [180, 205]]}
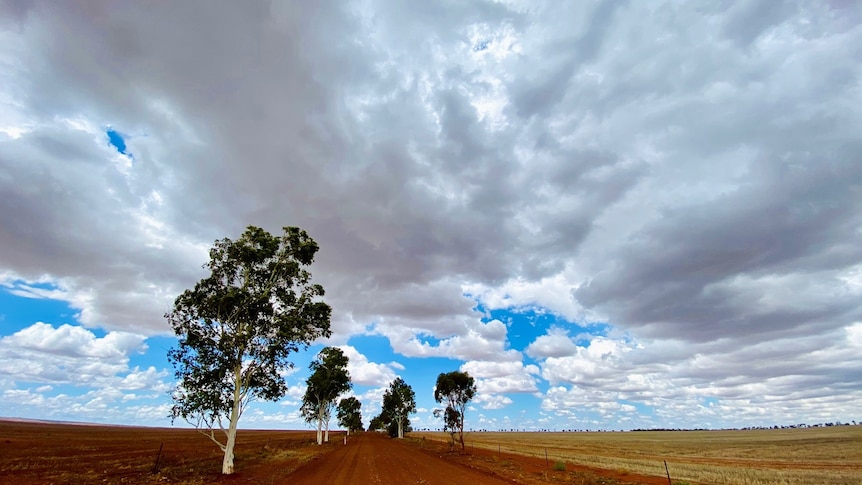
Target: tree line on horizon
{"points": [[237, 328]]}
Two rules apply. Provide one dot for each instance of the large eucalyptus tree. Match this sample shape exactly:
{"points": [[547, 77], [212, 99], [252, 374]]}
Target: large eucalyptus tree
{"points": [[237, 327]]}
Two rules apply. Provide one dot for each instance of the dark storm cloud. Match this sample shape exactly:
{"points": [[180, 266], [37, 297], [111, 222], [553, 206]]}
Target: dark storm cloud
{"points": [[691, 172]]}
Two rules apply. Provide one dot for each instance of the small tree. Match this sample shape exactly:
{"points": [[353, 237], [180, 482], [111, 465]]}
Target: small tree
{"points": [[392, 428], [399, 401], [456, 389], [377, 422], [451, 418], [237, 327], [328, 380], [349, 414]]}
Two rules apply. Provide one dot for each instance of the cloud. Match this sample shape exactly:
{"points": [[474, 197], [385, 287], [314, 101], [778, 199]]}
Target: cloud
{"points": [[98, 367], [785, 385], [502, 377], [67, 354], [364, 372], [493, 401], [688, 175], [469, 339], [555, 343], [100, 406]]}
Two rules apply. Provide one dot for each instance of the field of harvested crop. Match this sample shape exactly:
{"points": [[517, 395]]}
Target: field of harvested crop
{"points": [[41, 453], [829, 455]]}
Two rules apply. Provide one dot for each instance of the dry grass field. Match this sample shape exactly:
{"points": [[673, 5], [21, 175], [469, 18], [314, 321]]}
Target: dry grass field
{"points": [[829, 455]]}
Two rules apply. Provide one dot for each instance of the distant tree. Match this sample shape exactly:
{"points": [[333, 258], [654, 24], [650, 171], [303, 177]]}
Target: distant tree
{"points": [[393, 430], [455, 389], [349, 414], [328, 380], [237, 327], [399, 401], [451, 418], [377, 422]]}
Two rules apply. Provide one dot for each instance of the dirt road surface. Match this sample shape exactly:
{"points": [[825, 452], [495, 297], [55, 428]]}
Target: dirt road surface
{"points": [[374, 459]]}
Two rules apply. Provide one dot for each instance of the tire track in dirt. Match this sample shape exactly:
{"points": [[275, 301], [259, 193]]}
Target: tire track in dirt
{"points": [[372, 458]]}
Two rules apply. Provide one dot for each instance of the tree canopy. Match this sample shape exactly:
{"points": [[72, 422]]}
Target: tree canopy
{"points": [[399, 401], [237, 327], [451, 418], [349, 414], [329, 379], [455, 389]]}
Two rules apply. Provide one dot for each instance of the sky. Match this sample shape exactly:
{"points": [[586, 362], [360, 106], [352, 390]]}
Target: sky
{"points": [[613, 215]]}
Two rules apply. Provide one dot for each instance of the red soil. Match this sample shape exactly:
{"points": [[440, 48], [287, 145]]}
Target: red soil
{"points": [[38, 453]]}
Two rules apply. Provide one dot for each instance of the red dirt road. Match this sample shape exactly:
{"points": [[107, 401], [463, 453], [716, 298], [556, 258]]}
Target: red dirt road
{"points": [[374, 459]]}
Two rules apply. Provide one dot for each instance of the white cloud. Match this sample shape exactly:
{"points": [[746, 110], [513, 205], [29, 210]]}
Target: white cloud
{"points": [[98, 406], [106, 388], [555, 343], [603, 358], [364, 372], [554, 293], [474, 340], [493, 401], [66, 354], [702, 387], [501, 377]]}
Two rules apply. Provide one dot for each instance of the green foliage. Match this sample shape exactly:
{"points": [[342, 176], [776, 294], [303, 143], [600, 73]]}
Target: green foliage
{"points": [[349, 413], [237, 327], [392, 427], [451, 418], [455, 389], [399, 401], [560, 466], [377, 422], [328, 380]]}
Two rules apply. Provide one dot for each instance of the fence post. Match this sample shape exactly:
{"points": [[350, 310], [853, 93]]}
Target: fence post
{"points": [[668, 473], [158, 457]]}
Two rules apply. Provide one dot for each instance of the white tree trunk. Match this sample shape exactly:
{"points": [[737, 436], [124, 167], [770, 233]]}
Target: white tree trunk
{"points": [[326, 418], [319, 430], [400, 422], [227, 463]]}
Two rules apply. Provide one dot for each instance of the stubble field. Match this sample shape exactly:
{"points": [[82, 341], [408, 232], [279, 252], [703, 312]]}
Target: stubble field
{"points": [[803, 456], [56, 453]]}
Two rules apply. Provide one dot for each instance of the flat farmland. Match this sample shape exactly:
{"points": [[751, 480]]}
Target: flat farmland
{"points": [[824, 455], [56, 453]]}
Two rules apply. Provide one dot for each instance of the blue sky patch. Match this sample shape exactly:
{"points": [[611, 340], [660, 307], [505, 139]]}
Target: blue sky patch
{"points": [[117, 140]]}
